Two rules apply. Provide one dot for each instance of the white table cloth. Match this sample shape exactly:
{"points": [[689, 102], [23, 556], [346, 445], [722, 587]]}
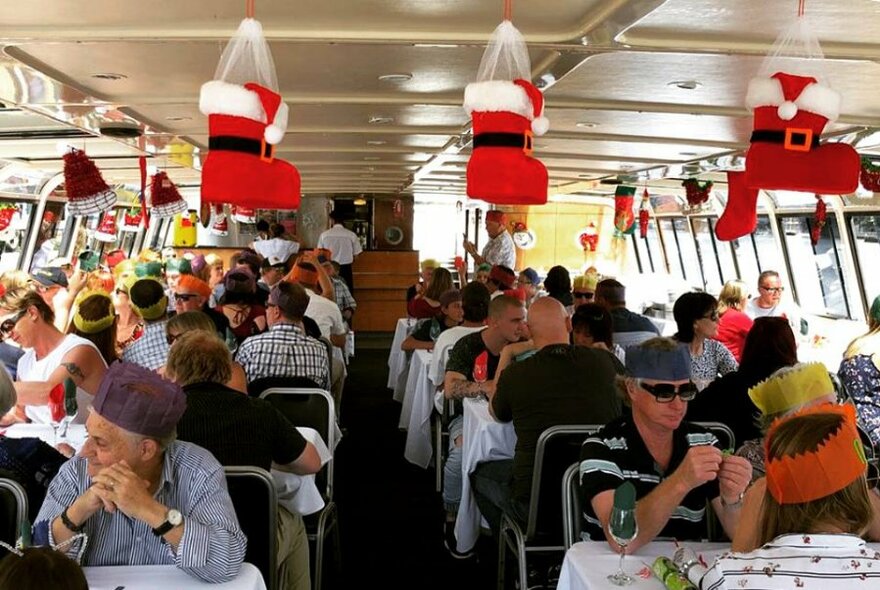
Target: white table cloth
{"points": [[299, 493], [397, 358], [151, 577], [588, 563], [418, 406], [483, 439], [76, 434]]}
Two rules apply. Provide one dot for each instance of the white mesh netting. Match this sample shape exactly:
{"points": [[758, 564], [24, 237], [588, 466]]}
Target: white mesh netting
{"points": [[247, 58], [797, 51], [506, 56]]}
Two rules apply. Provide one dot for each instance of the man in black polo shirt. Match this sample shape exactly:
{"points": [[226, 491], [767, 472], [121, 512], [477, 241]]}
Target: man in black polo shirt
{"points": [[560, 384], [629, 327], [470, 372], [675, 466], [240, 430]]}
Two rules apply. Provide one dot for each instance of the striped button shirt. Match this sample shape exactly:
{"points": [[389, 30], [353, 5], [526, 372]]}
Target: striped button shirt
{"points": [[193, 482], [284, 351], [617, 453], [796, 561], [151, 349]]}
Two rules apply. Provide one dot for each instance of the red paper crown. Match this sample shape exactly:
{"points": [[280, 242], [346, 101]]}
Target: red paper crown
{"points": [[837, 462]]}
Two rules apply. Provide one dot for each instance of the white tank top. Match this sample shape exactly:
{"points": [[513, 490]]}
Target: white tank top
{"points": [[31, 369]]}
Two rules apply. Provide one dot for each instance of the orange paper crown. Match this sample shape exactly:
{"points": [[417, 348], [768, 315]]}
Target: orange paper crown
{"points": [[837, 462]]}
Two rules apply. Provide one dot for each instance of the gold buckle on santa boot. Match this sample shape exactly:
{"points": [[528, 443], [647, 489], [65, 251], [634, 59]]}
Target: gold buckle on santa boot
{"points": [[267, 152], [792, 133], [528, 142]]}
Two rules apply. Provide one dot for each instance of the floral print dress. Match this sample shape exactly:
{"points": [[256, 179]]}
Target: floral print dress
{"points": [[861, 380]]}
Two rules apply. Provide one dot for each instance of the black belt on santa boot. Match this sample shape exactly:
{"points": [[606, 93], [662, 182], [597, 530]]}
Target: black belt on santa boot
{"points": [[799, 140], [230, 143], [514, 140]]}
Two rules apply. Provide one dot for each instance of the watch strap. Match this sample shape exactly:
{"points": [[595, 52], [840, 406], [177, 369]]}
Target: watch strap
{"points": [[65, 519], [163, 528]]}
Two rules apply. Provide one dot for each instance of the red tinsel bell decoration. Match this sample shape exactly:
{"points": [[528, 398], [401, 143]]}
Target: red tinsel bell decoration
{"points": [[87, 193], [644, 215], [870, 175], [818, 220], [697, 193], [164, 197]]}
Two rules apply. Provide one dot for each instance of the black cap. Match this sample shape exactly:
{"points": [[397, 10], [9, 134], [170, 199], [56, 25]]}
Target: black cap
{"points": [[50, 276]]}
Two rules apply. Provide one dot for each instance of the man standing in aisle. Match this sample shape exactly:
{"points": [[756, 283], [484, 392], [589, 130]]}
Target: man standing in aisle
{"points": [[344, 245], [769, 303], [499, 250]]}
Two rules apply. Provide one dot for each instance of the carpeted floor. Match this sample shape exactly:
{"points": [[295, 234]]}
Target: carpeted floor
{"points": [[390, 516]]}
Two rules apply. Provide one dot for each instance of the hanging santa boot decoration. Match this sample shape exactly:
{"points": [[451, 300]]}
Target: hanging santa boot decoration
{"points": [[106, 231], [7, 210], [644, 215], [507, 112], [740, 217], [244, 214], [220, 226], [246, 120], [624, 219], [790, 114], [131, 220], [87, 193]]}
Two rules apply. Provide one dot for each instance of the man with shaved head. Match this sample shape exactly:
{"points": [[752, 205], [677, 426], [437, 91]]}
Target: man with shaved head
{"points": [[560, 384]]}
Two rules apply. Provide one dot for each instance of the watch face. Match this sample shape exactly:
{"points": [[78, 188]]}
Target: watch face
{"points": [[175, 517]]}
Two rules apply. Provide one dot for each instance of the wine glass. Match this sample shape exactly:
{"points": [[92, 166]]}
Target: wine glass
{"points": [[481, 368], [623, 529]]}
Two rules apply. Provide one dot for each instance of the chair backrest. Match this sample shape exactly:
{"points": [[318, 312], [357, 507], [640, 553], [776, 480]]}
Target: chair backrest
{"points": [[313, 408], [571, 505], [722, 432], [558, 447], [258, 386], [13, 509], [253, 495], [328, 346]]}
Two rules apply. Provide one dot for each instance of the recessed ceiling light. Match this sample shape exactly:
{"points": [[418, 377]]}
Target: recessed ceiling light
{"points": [[378, 120], [402, 77], [685, 84], [688, 154], [442, 45], [178, 118], [585, 124], [360, 202], [376, 142], [372, 158], [109, 76]]}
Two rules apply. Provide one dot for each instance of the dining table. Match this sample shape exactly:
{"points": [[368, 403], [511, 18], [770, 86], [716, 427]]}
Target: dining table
{"points": [[153, 577]]}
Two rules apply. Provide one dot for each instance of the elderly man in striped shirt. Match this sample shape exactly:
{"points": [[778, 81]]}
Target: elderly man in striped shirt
{"points": [[140, 496]]}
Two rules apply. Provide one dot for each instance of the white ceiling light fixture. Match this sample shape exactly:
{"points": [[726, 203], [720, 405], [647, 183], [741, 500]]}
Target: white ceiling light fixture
{"points": [[372, 158], [109, 76], [177, 118], [688, 154], [376, 142], [685, 84], [396, 78], [585, 124], [380, 120]]}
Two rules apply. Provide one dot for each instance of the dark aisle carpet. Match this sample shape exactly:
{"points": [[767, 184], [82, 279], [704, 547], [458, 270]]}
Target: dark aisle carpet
{"points": [[390, 516]]}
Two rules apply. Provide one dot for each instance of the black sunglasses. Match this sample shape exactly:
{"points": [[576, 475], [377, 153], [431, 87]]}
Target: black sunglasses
{"points": [[714, 316], [170, 338], [582, 295], [9, 324], [184, 296], [666, 392]]}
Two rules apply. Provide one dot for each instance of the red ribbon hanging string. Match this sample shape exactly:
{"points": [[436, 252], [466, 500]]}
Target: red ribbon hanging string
{"points": [[508, 9], [249, 8], [801, 7]]}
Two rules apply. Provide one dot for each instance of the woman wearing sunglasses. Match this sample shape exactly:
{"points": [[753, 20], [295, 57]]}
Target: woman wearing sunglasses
{"points": [[675, 466], [696, 315]]}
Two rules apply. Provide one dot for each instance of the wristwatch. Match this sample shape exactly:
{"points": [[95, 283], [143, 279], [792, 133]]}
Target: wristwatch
{"points": [[69, 524], [737, 504], [172, 519]]}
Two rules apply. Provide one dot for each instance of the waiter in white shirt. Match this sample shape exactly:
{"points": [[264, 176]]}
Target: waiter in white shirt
{"points": [[499, 250], [344, 246]]}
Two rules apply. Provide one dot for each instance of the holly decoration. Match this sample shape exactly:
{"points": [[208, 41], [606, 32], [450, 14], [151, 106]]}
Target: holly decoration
{"points": [[644, 215], [697, 192], [870, 175], [818, 220]]}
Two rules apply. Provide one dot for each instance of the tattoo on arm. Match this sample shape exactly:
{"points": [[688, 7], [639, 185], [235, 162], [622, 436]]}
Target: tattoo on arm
{"points": [[74, 370], [462, 389]]}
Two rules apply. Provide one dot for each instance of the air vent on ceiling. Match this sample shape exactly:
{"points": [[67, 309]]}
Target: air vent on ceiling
{"points": [[121, 129], [20, 134], [611, 180]]}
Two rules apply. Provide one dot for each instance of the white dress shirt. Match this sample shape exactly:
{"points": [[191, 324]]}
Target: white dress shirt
{"points": [[343, 243]]}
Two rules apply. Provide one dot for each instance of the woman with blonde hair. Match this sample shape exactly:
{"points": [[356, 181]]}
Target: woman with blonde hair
{"points": [[95, 320], [733, 323], [196, 321], [129, 325], [816, 505], [860, 374]]}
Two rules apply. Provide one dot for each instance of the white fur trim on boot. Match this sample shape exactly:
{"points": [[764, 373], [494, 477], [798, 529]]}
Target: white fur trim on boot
{"points": [[222, 98], [821, 100], [764, 92], [497, 96], [274, 133], [541, 125], [814, 98]]}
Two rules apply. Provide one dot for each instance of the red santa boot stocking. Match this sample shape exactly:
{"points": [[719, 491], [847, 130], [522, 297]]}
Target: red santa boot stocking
{"points": [[6, 213], [245, 123], [505, 116], [790, 114], [106, 231], [740, 217]]}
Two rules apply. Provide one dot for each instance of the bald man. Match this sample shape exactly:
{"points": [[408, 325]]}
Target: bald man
{"points": [[560, 384]]}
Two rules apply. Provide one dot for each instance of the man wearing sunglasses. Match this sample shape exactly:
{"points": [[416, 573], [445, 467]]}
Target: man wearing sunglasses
{"points": [[192, 294], [769, 303], [675, 466]]}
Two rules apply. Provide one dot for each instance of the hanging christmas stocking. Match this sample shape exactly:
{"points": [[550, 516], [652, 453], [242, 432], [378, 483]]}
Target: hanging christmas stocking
{"points": [[740, 216], [790, 113]]}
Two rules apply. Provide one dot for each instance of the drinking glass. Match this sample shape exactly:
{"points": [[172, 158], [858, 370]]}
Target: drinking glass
{"points": [[623, 529]]}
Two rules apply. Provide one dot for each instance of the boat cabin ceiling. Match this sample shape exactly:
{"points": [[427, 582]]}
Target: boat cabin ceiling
{"points": [[636, 90]]}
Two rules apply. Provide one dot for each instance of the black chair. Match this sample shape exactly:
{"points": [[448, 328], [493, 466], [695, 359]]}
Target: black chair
{"points": [[258, 386], [314, 408], [253, 495], [558, 447], [13, 510], [571, 505], [722, 432], [441, 441]]}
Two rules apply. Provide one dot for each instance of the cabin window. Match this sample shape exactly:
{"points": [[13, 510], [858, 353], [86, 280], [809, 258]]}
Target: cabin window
{"points": [[689, 258], [709, 253], [643, 256], [865, 230], [670, 243], [816, 271], [14, 236], [766, 250], [654, 247]]}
